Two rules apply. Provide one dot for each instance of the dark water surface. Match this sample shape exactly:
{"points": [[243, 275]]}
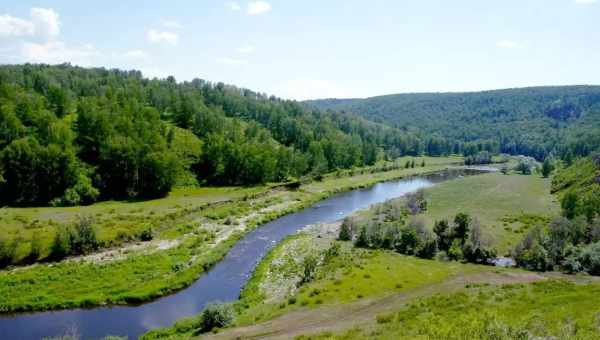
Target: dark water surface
{"points": [[223, 282]]}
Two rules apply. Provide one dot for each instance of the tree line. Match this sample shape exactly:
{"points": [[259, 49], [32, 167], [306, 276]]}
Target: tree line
{"points": [[71, 135], [559, 121]]}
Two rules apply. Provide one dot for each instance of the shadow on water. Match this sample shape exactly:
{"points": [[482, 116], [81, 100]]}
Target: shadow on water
{"points": [[223, 282]]}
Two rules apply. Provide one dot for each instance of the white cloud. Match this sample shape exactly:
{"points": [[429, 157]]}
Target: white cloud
{"points": [[11, 26], [584, 2], [233, 61], [43, 23], [155, 36], [310, 88], [38, 40], [258, 7], [136, 54], [172, 24], [245, 49], [234, 6], [46, 22], [508, 44]]}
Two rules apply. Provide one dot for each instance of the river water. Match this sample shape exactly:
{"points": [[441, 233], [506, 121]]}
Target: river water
{"points": [[223, 282]]}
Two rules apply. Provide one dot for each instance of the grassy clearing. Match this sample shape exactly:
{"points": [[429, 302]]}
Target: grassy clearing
{"points": [[189, 215], [506, 205], [547, 309]]}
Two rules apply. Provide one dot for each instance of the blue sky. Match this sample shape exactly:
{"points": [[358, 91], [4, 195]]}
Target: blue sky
{"points": [[315, 49]]}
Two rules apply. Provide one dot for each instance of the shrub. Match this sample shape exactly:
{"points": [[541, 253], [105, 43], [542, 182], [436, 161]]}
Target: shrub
{"points": [[35, 248], [83, 236], [362, 241], [530, 253], [477, 247], [461, 226], [146, 234], [7, 251], [415, 202], [309, 266], [525, 165], [61, 244], [216, 315], [346, 229], [569, 204], [590, 259], [455, 252], [442, 232]]}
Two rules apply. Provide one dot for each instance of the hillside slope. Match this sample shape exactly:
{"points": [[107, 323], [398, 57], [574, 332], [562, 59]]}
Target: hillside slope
{"points": [[71, 135], [533, 121]]}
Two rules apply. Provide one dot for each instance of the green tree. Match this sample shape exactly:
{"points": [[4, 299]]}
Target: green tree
{"points": [[547, 167], [346, 230], [569, 204], [461, 226]]}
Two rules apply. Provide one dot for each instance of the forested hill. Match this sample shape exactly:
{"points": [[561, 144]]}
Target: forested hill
{"points": [[71, 135], [533, 121]]}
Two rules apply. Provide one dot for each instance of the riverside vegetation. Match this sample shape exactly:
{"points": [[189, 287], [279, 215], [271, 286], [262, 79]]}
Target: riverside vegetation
{"points": [[190, 233], [320, 269]]}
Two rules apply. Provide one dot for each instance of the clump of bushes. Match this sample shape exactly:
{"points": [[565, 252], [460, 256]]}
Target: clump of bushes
{"points": [[463, 240], [525, 165], [216, 315], [8, 251], [568, 245], [77, 239], [482, 157]]}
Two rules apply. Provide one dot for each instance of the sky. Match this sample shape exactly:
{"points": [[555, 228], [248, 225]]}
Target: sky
{"points": [[317, 48]]}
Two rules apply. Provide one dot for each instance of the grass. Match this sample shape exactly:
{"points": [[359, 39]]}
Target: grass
{"points": [[135, 279], [186, 212], [351, 275], [547, 309], [116, 221], [506, 205]]}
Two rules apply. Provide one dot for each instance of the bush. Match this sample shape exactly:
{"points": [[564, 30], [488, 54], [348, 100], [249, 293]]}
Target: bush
{"points": [[216, 315], [61, 244], [415, 202], [525, 165], [74, 240], [7, 251], [483, 157], [83, 236], [346, 229], [309, 268], [590, 259], [146, 234], [477, 247], [530, 253], [35, 248]]}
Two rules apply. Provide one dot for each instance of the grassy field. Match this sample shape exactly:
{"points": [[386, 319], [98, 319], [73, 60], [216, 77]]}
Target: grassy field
{"points": [[505, 205], [549, 310], [203, 223]]}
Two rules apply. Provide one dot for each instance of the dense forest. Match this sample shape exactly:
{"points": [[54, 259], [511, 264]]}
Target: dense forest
{"points": [[537, 121], [71, 135]]}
